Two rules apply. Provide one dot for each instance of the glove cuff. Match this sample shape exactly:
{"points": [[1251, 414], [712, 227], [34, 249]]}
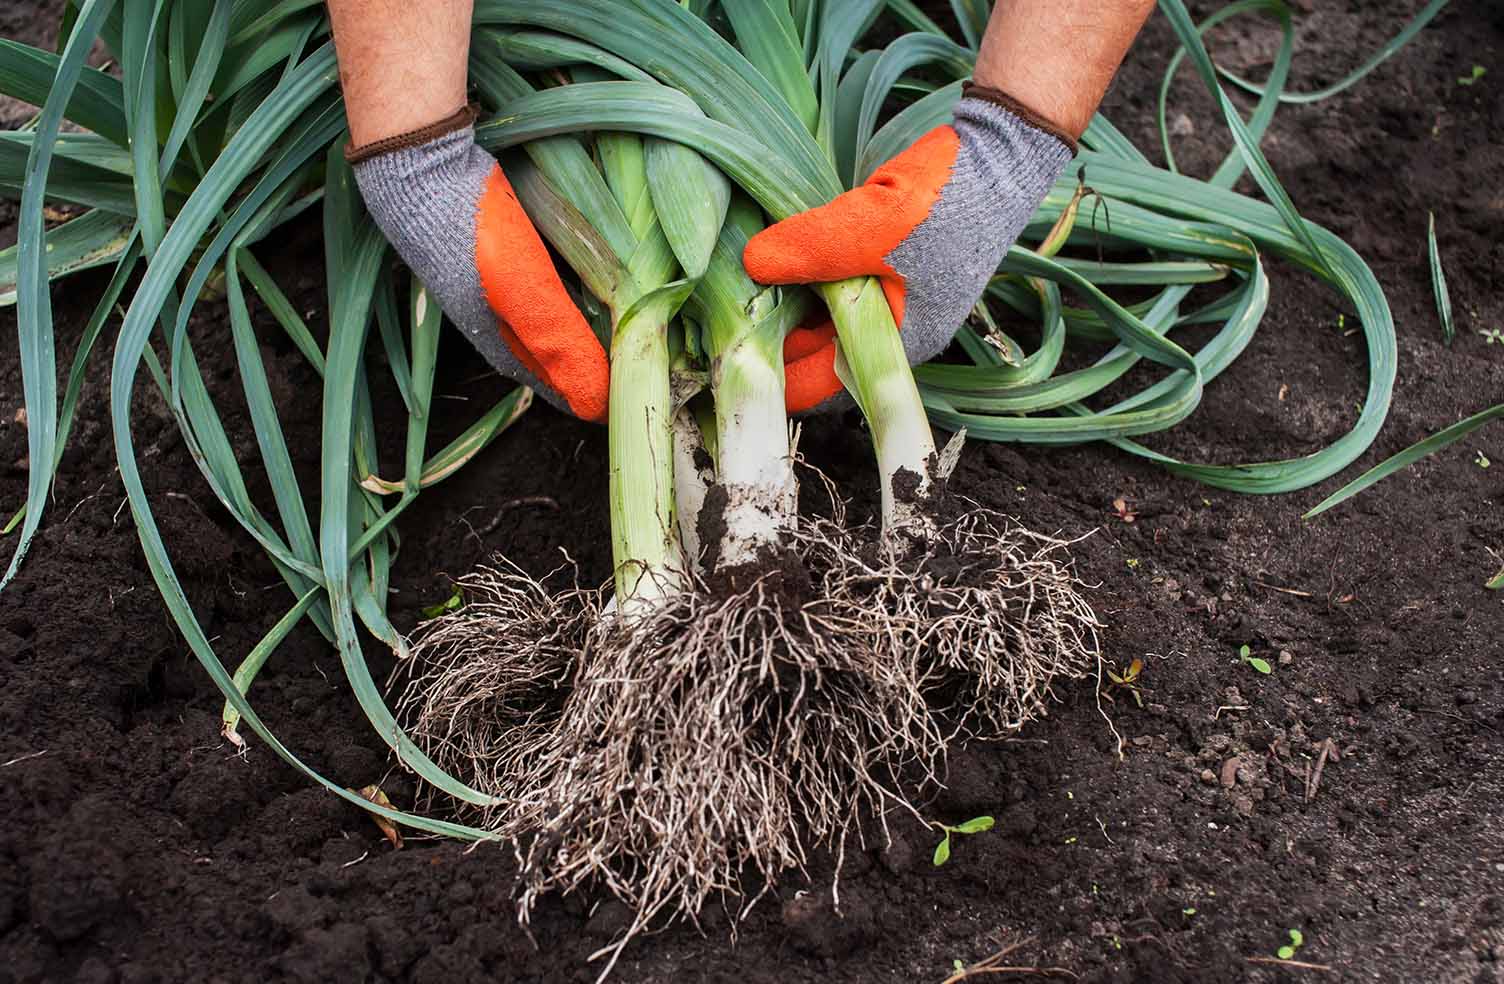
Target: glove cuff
{"points": [[453, 123], [1001, 99]]}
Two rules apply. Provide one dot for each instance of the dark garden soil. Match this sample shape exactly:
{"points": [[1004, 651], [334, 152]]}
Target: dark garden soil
{"points": [[1356, 793]]}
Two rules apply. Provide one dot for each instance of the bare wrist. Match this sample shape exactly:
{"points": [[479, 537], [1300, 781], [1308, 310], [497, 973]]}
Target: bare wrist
{"points": [[1057, 57], [997, 97], [464, 117]]}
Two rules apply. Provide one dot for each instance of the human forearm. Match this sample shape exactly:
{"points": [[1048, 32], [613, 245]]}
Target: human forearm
{"points": [[402, 63], [1057, 57]]}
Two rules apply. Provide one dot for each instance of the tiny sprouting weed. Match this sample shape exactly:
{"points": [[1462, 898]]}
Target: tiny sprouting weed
{"points": [[1127, 680], [1262, 665], [975, 825], [1482, 460], [444, 607], [1297, 940], [1473, 77], [1492, 335]]}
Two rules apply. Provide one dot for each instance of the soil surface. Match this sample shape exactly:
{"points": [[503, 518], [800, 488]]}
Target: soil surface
{"points": [[1356, 793]]}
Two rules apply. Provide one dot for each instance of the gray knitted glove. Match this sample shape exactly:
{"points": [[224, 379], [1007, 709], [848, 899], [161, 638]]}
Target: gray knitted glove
{"points": [[450, 213], [932, 224]]}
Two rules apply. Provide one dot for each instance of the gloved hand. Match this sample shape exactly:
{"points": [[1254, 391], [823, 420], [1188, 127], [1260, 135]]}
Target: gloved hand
{"points": [[932, 224], [451, 214]]}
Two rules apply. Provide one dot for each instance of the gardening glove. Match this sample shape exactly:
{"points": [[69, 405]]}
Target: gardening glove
{"points": [[451, 214], [932, 224]]}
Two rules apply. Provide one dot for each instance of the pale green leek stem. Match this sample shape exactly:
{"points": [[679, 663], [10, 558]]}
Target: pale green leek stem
{"points": [[883, 386], [644, 537]]}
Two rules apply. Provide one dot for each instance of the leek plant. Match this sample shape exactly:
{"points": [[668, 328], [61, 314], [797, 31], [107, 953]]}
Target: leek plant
{"points": [[792, 138], [640, 293], [788, 110], [742, 328]]}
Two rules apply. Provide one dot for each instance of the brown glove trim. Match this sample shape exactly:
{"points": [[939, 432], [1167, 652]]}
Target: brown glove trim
{"points": [[1000, 98], [414, 138]]}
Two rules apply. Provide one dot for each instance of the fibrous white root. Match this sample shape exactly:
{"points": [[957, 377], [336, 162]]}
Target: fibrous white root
{"points": [[706, 746]]}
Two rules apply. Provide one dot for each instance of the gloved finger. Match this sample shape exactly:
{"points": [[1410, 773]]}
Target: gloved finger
{"points": [[849, 236], [854, 234], [539, 321], [809, 367], [808, 338]]}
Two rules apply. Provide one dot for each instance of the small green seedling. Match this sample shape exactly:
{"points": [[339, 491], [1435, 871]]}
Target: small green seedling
{"points": [[958, 965], [1473, 77], [975, 825], [1482, 460], [1492, 335], [1262, 665], [434, 611], [1297, 940], [1127, 680]]}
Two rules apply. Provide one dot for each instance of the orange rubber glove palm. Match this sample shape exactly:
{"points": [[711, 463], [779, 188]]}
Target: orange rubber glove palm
{"points": [[932, 225]]}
